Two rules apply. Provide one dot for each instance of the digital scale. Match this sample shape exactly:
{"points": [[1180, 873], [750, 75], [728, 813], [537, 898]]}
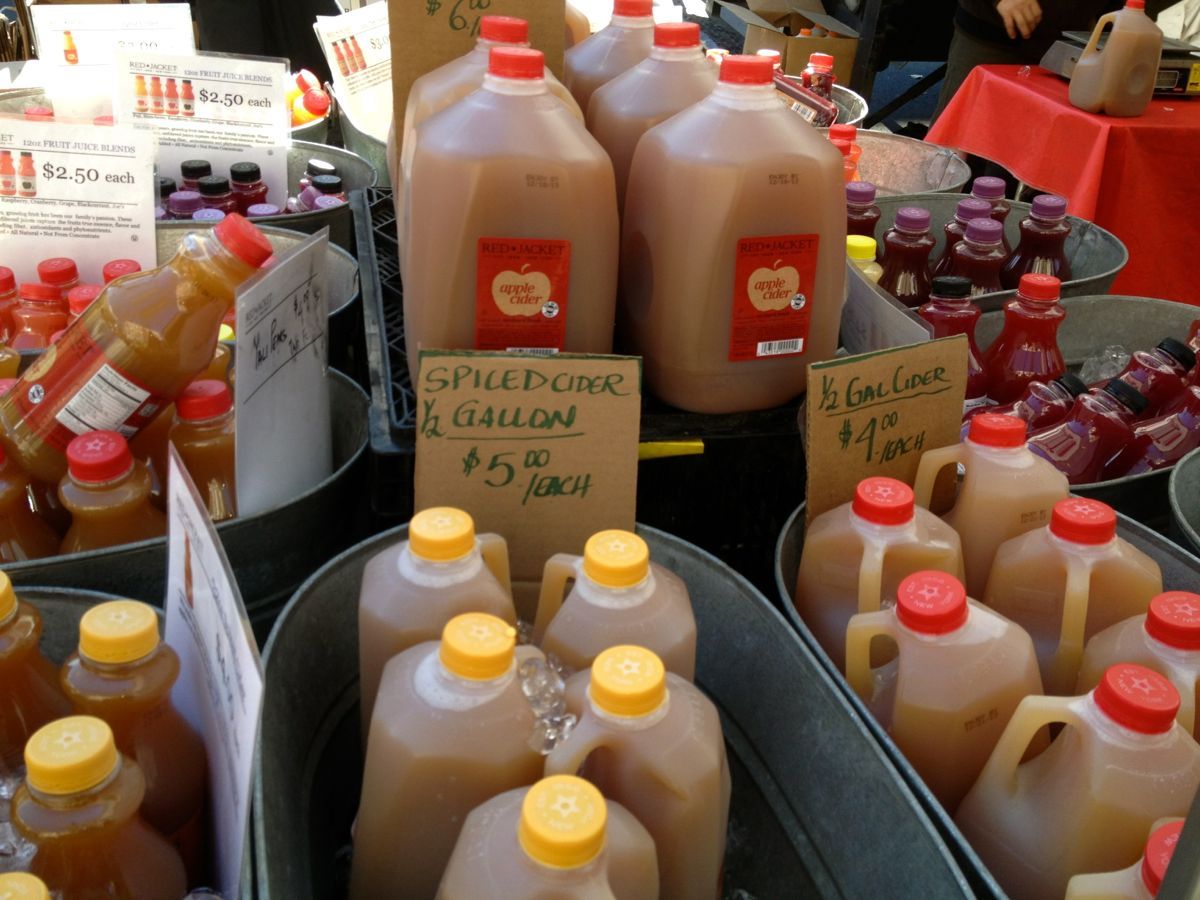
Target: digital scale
{"points": [[1178, 72]]}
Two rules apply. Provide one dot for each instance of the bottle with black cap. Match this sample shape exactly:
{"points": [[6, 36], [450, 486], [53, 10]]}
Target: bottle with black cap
{"points": [[950, 312], [321, 186], [316, 167], [192, 171], [215, 194], [1160, 375], [1044, 403], [247, 184], [1098, 427]]}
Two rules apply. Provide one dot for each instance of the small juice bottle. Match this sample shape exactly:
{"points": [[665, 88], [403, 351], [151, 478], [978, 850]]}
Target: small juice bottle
{"points": [[558, 838], [1043, 403], [79, 808], [23, 535], [619, 595], [215, 193], [156, 96], [652, 742], [856, 555], [450, 730], [207, 215], [946, 727], [358, 54], [907, 246], [8, 175], [1027, 349], [1142, 880], [343, 66], [614, 49], [1161, 442], [247, 184], [1088, 801], [849, 169], [191, 171], [980, 255], [39, 313], [312, 169], [70, 52], [184, 204], [1044, 236], [117, 268], [26, 176], [991, 189], [123, 674], [59, 271], [1159, 375], [412, 589], [817, 76], [1067, 582], [1165, 639], [1099, 426], [107, 493], [187, 99], [862, 215], [1006, 491], [861, 253], [23, 886], [849, 134], [964, 212], [950, 312], [321, 186], [171, 98], [203, 433], [141, 100], [8, 301]]}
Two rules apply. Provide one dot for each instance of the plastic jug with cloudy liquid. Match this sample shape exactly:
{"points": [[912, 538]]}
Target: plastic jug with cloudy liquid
{"points": [[1142, 880], [612, 50]]}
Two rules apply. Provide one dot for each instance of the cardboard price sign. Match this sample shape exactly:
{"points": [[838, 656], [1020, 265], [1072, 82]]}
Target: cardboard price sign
{"points": [[540, 450], [875, 414]]}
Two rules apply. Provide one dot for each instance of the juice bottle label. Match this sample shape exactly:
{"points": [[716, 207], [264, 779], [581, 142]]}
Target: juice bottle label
{"points": [[27, 185], [8, 185], [772, 296], [521, 294], [72, 389]]}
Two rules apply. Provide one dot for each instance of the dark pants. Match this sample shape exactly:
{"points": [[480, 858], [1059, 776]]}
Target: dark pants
{"points": [[967, 52]]}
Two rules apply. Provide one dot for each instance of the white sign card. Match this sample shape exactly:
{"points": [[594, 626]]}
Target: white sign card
{"points": [[284, 433], [220, 686], [872, 320], [211, 106], [358, 48], [76, 191]]}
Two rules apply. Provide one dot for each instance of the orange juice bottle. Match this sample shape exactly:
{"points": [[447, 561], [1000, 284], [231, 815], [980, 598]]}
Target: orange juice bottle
{"points": [[1067, 582], [619, 596], [1166, 639], [450, 730], [187, 99], [70, 52], [412, 589], [1142, 880], [856, 555], [558, 838], [172, 100], [203, 433], [26, 176], [23, 534], [139, 344], [156, 95], [652, 742], [1088, 801], [23, 886], [8, 176], [614, 49], [123, 674], [141, 100], [1007, 490], [79, 808], [946, 727], [39, 313]]}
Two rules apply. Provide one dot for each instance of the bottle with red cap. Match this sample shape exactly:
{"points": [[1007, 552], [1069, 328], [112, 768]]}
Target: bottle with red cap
{"points": [[23, 535], [1088, 801], [878, 539], [134, 350], [1042, 248], [1117, 79], [950, 312], [849, 168], [612, 50], [60, 272], [907, 246], [728, 320], [1160, 442], [1160, 375], [41, 310], [1085, 444], [946, 727], [107, 493], [964, 212], [1005, 491], [862, 215], [117, 268], [8, 302], [849, 134], [1043, 404], [673, 77], [817, 76], [80, 297], [203, 433], [1027, 348], [514, 215], [1068, 581], [1141, 881]]}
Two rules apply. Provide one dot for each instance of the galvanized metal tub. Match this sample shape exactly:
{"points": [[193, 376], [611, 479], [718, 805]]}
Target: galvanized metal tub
{"points": [[315, 132], [1181, 571], [366, 145], [852, 107], [1183, 493], [271, 552], [902, 165], [817, 811]]}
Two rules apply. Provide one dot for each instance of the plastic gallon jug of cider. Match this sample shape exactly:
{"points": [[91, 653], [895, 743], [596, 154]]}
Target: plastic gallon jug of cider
{"points": [[1068, 581], [1088, 801], [79, 808], [728, 320], [513, 212], [123, 674], [1166, 639], [412, 589], [559, 838], [1006, 492], [619, 597], [611, 51], [652, 742], [946, 727], [451, 730], [673, 77], [856, 555], [1142, 880], [1118, 78]]}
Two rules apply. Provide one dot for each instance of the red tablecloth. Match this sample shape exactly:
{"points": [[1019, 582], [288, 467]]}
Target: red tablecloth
{"points": [[1139, 178]]}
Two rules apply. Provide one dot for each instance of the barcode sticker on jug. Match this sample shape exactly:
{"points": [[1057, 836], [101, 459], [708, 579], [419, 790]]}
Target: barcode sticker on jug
{"points": [[521, 288], [772, 296]]}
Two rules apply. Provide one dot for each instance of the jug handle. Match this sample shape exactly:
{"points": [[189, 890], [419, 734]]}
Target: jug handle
{"points": [[1069, 654], [494, 550], [931, 465], [569, 756], [862, 628], [1032, 715], [870, 577], [1094, 40], [558, 570]]}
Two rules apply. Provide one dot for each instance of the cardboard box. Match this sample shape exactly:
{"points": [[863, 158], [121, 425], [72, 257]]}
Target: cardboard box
{"points": [[776, 25]]}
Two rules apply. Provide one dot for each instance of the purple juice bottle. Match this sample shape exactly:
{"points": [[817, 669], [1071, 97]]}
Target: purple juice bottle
{"points": [[967, 209], [980, 255], [991, 189], [862, 215], [906, 267], [1042, 248]]}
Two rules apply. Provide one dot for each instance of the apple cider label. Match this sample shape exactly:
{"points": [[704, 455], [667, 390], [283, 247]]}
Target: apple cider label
{"points": [[772, 296], [521, 294]]}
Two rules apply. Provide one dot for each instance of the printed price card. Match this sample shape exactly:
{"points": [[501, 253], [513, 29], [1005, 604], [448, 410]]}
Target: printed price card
{"points": [[358, 48], [86, 36], [875, 414], [83, 192], [542, 450]]}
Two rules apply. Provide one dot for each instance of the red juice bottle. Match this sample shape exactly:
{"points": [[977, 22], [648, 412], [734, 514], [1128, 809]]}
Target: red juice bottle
{"points": [[862, 215], [215, 193], [1042, 249], [849, 134], [1044, 403], [1160, 375], [980, 255], [817, 76], [906, 258], [1099, 426], [955, 229], [991, 189], [248, 187], [1194, 336], [1161, 442], [950, 312], [192, 170], [1027, 349]]}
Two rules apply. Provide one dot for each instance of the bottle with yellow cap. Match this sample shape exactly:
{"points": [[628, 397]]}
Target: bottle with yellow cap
{"points": [[413, 588], [22, 886], [619, 597], [861, 252], [451, 729], [23, 534], [123, 674], [558, 838], [663, 759], [29, 692], [79, 808]]}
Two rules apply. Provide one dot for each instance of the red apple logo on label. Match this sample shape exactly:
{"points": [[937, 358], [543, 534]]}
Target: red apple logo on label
{"points": [[521, 293], [773, 289]]}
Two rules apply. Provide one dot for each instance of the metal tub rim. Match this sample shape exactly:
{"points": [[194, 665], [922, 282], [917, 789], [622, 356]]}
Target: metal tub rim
{"points": [[1181, 521], [868, 136]]}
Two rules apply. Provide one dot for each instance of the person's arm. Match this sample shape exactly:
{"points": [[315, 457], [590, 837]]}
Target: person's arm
{"points": [[1020, 17]]}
